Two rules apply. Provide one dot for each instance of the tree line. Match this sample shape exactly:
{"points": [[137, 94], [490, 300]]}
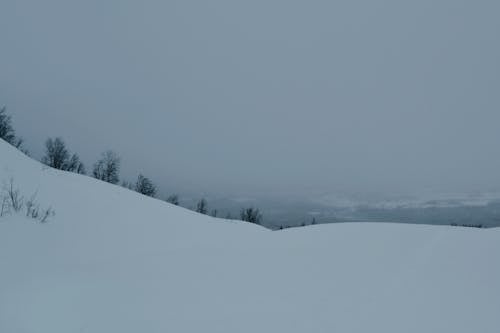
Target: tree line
{"points": [[106, 168]]}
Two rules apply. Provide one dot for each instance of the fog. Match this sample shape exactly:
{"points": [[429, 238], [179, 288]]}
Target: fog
{"points": [[261, 96]]}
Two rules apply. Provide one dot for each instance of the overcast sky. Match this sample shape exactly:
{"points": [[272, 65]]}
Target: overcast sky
{"points": [[263, 95]]}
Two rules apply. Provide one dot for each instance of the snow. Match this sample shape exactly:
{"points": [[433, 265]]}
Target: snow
{"points": [[112, 260]]}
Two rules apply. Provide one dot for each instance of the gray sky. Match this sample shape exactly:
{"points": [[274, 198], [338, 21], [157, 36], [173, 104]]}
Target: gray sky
{"points": [[273, 95]]}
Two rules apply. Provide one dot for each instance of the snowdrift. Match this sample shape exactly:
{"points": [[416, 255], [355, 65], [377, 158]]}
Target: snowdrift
{"points": [[112, 260]]}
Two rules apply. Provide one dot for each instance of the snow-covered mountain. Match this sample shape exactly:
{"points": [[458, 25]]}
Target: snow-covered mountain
{"points": [[424, 200], [111, 260]]}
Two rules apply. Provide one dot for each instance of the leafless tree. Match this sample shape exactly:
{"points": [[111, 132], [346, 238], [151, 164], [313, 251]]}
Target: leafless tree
{"points": [[108, 167], [57, 156], [7, 133], [201, 206], [251, 215], [145, 186]]}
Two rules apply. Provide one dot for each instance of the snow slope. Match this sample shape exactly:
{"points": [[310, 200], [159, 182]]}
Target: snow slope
{"points": [[112, 260]]}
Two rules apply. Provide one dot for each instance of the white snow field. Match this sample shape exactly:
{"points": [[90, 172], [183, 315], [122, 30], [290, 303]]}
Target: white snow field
{"points": [[112, 260]]}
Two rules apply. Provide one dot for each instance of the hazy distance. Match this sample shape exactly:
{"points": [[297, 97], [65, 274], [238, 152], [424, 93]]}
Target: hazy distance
{"points": [[263, 97]]}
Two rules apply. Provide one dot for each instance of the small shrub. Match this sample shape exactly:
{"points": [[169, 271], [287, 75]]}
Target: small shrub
{"points": [[46, 213], [14, 202], [32, 209], [4, 207], [128, 185], [173, 199], [480, 226]]}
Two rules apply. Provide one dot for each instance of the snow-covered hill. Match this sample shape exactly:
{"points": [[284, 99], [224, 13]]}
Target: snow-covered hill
{"points": [[112, 260]]}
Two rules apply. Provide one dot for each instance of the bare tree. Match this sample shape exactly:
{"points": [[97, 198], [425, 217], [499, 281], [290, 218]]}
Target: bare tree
{"points": [[201, 206], [251, 215], [108, 167], [57, 156], [7, 133], [145, 186], [75, 165]]}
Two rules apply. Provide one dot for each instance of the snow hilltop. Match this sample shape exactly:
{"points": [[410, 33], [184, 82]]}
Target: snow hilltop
{"points": [[111, 260]]}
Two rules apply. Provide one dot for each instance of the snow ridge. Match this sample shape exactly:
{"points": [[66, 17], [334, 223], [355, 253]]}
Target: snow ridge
{"points": [[112, 260]]}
